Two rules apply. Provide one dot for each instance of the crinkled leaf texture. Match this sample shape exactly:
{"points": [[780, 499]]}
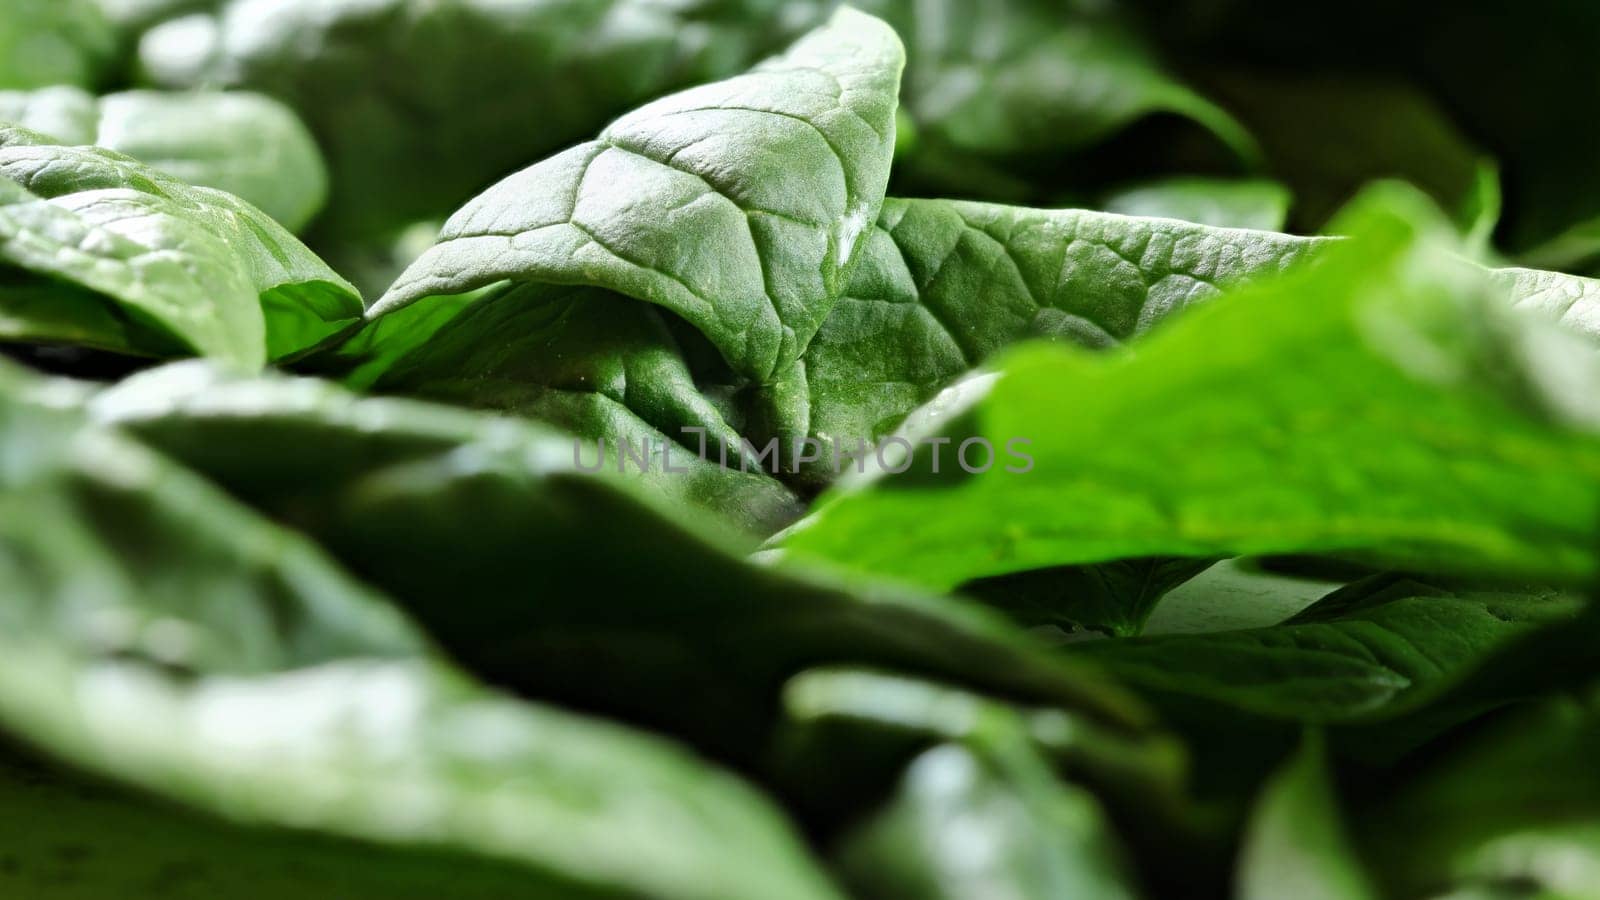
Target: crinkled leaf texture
{"points": [[248, 145], [157, 633], [940, 287], [173, 263], [737, 205], [1282, 419]]}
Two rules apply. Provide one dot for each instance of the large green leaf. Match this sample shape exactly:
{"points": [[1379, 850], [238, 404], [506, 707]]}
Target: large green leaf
{"points": [[245, 144], [492, 535], [443, 99], [1283, 419], [159, 634], [188, 265], [737, 205], [45, 42]]}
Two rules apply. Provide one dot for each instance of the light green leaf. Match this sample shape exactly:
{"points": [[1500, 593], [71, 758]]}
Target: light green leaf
{"points": [[199, 265], [45, 42], [737, 205], [1295, 844], [156, 633], [248, 145], [1229, 203], [1282, 419]]}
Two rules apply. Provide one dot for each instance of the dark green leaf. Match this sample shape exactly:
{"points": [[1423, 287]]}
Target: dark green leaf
{"points": [[490, 533], [1374, 650], [1517, 804], [156, 633]]}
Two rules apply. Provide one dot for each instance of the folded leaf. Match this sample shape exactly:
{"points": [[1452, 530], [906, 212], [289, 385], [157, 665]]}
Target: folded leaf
{"points": [[1282, 419], [500, 543], [246, 144], [197, 265], [159, 634], [737, 205]]}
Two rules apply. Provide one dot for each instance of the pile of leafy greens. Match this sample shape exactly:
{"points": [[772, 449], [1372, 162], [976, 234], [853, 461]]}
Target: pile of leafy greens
{"points": [[737, 449]]}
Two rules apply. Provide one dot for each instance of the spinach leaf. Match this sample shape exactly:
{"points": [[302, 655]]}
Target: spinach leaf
{"points": [[159, 634], [1328, 137], [1254, 203], [193, 265], [45, 42], [291, 441], [245, 144], [940, 287], [500, 544], [1304, 390], [998, 88], [1514, 804], [1295, 844], [445, 99], [848, 733], [1042, 837], [72, 838], [1115, 597], [737, 205], [1373, 650]]}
